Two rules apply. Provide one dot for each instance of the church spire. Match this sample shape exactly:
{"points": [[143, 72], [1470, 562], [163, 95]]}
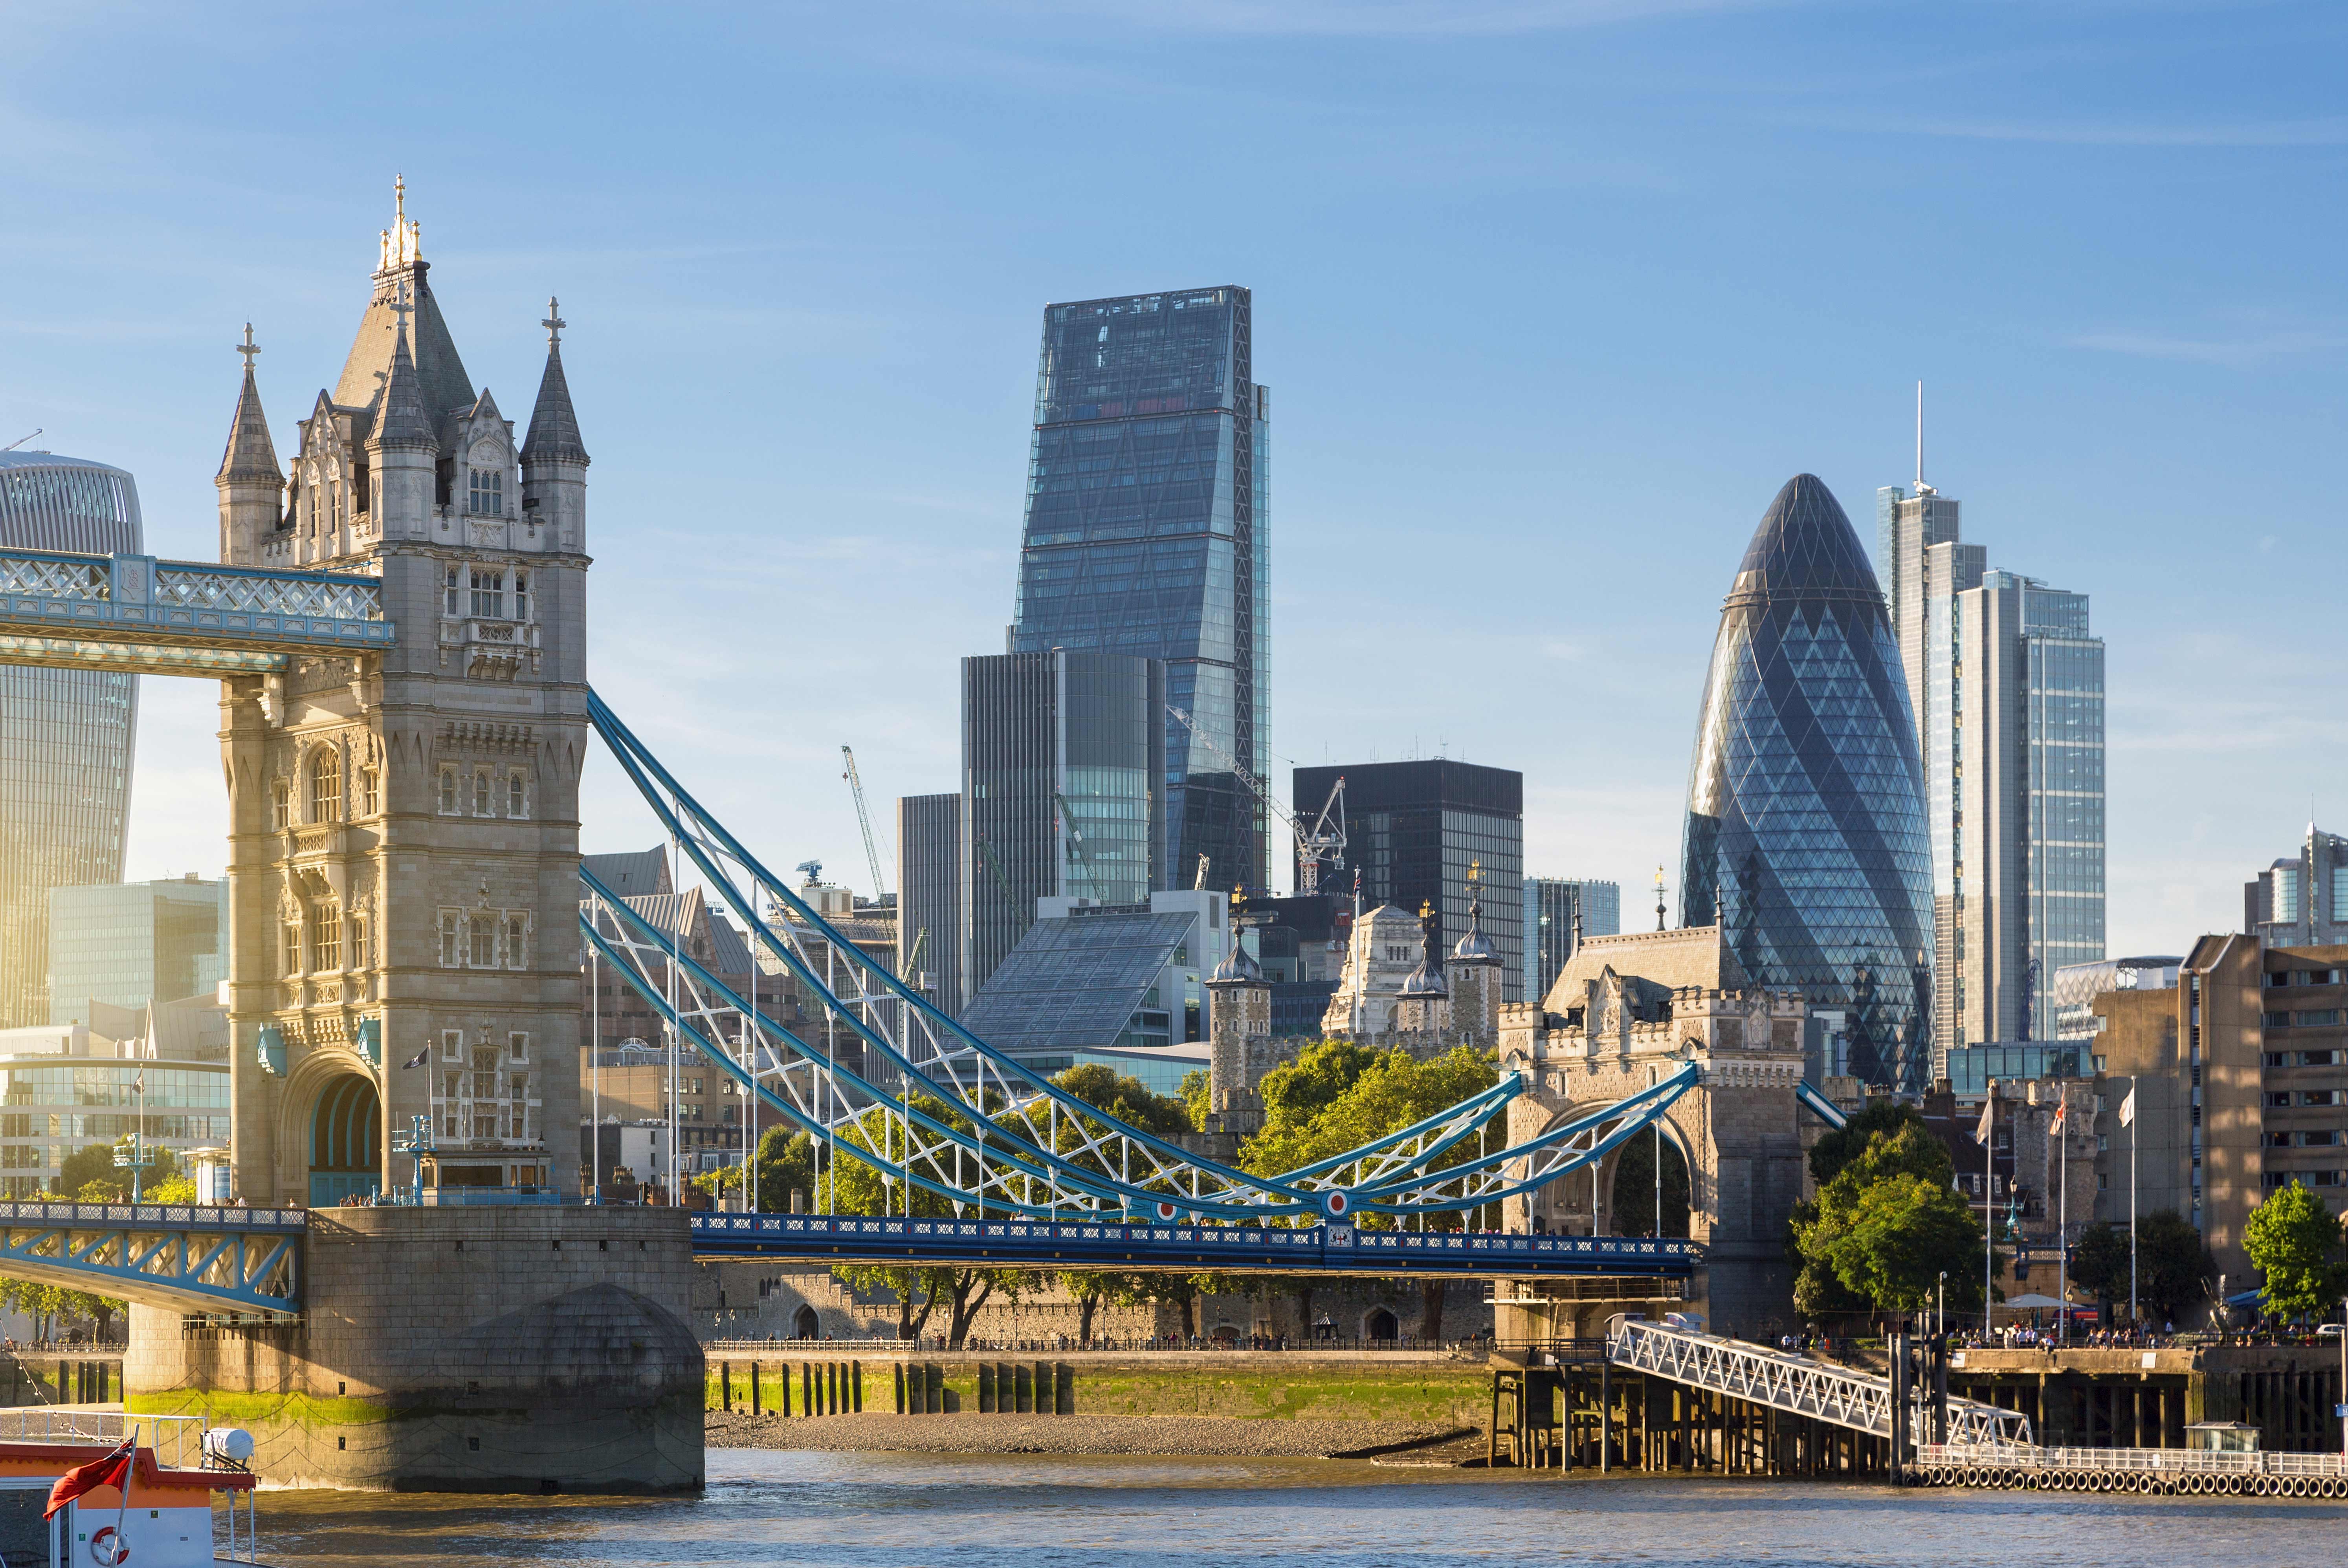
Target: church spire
{"points": [[553, 425], [403, 421], [250, 457]]}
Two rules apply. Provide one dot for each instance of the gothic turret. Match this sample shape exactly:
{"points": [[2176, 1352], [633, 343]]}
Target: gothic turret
{"points": [[1473, 974], [252, 487], [553, 458], [403, 448]]}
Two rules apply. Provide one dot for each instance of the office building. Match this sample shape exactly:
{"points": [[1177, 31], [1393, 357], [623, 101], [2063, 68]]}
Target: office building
{"points": [[1085, 979], [130, 943], [1415, 833], [68, 1086], [929, 897], [1062, 753], [2007, 683], [1804, 836], [1558, 912], [1148, 532], [65, 734], [2240, 1071], [2077, 987], [2301, 900]]}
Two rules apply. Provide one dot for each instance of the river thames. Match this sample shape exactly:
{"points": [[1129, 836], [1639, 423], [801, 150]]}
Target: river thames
{"points": [[883, 1510]]}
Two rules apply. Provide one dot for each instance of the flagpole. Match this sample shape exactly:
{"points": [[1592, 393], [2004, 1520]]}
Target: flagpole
{"points": [[122, 1508], [1989, 1207], [2063, 1202], [2136, 1114]]}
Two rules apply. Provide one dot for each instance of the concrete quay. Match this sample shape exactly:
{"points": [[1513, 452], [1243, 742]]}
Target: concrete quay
{"points": [[456, 1350]]}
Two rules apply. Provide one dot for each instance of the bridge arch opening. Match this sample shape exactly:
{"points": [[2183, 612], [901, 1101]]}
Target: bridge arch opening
{"points": [[345, 1141], [1381, 1327], [1632, 1205]]}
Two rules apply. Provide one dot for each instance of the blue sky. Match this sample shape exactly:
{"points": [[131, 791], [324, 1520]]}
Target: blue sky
{"points": [[1552, 298]]}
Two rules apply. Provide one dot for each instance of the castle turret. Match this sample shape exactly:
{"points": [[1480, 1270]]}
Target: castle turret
{"points": [[403, 449], [251, 486], [553, 458], [1239, 1032], [1424, 1004], [1473, 973]]}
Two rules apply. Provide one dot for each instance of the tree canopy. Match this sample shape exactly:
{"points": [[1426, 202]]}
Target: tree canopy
{"points": [[1338, 1096], [1886, 1228], [1840, 1146], [2294, 1240]]}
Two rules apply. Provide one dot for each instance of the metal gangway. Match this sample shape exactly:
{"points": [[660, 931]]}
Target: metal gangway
{"points": [[1796, 1384]]}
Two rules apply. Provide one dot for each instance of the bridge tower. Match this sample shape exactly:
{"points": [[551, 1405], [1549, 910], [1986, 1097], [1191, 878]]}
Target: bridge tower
{"points": [[1625, 1012], [404, 840]]}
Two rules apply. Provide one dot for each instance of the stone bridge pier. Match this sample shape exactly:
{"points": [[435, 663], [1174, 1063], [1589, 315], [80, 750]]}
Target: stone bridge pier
{"points": [[1628, 1011]]}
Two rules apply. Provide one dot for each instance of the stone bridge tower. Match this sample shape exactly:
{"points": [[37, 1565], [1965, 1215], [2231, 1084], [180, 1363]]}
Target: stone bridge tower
{"points": [[405, 834], [1627, 1011]]}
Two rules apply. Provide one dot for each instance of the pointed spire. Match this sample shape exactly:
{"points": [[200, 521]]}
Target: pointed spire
{"points": [[251, 456], [402, 421], [553, 425]]}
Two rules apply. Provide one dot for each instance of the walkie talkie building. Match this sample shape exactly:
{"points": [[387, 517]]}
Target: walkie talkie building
{"points": [[1806, 835], [65, 734]]}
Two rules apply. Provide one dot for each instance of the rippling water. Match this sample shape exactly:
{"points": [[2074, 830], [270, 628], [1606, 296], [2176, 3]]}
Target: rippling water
{"points": [[881, 1511]]}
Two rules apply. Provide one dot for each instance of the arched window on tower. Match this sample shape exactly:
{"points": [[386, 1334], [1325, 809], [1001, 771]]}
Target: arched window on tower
{"points": [[485, 497], [325, 784]]}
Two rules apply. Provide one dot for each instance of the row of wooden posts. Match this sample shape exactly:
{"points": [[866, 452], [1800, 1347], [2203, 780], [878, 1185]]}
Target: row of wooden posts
{"points": [[1592, 1417], [837, 1388], [825, 1388], [77, 1383]]}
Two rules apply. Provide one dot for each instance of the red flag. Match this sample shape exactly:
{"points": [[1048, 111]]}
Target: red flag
{"points": [[114, 1470]]}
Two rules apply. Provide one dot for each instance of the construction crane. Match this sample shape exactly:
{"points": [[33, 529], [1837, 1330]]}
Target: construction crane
{"points": [[1322, 841], [864, 821]]}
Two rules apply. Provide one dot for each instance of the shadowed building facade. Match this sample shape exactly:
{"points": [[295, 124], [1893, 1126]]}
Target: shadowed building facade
{"points": [[1805, 837]]}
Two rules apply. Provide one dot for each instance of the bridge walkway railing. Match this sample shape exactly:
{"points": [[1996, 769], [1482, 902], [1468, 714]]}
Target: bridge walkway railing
{"points": [[1784, 1380]]}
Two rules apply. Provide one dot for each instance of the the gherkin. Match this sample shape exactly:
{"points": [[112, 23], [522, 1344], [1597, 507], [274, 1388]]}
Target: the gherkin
{"points": [[1806, 834]]}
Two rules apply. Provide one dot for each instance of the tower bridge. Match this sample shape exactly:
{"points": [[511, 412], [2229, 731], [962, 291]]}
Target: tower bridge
{"points": [[397, 625]]}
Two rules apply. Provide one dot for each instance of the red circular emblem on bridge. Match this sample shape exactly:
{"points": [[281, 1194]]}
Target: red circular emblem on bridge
{"points": [[1335, 1203], [1165, 1211]]}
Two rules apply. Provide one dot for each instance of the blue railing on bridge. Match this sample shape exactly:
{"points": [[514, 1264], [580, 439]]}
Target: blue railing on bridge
{"points": [[1327, 1248]]}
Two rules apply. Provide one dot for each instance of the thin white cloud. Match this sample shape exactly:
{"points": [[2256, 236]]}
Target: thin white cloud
{"points": [[1404, 18], [2248, 348]]}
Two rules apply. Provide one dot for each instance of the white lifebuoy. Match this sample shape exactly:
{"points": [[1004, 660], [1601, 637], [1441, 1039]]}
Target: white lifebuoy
{"points": [[108, 1549]]}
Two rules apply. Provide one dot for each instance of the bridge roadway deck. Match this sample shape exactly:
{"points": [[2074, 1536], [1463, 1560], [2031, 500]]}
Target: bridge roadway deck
{"points": [[1334, 1249], [187, 1256]]}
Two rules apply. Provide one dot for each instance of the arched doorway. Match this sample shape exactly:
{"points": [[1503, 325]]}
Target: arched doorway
{"points": [[1381, 1327], [1633, 1208], [345, 1141], [805, 1325]]}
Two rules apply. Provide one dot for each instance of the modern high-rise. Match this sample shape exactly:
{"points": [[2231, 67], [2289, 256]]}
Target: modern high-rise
{"points": [[1415, 830], [1061, 756], [2301, 900], [130, 943], [65, 735], [1148, 532], [1558, 913], [2009, 686], [1805, 837], [929, 897]]}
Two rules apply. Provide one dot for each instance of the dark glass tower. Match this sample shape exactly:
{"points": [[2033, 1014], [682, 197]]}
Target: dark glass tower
{"points": [[1148, 532], [1806, 834]]}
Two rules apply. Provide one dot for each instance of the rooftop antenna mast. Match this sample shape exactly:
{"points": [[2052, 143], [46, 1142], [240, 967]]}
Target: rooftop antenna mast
{"points": [[1919, 439], [19, 441]]}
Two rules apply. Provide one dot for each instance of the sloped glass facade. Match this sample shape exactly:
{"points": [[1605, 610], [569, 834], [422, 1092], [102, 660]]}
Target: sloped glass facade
{"points": [[1806, 835], [1148, 531]]}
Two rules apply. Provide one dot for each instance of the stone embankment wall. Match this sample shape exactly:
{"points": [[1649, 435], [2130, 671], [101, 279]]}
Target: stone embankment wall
{"points": [[462, 1349], [1397, 1385]]}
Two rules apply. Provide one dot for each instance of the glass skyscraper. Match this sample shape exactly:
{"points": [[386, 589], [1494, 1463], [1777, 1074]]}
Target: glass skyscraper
{"points": [[1557, 911], [2013, 752], [131, 943], [1805, 814], [1148, 532], [65, 734], [1059, 754]]}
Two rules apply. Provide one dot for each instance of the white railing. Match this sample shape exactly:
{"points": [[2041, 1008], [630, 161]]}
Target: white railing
{"points": [[85, 579], [178, 1441], [1784, 1380], [334, 596], [2161, 1463]]}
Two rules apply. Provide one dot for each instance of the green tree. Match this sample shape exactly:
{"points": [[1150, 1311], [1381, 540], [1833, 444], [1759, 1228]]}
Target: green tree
{"points": [[1634, 1188], [2294, 1241], [1887, 1227], [89, 1174], [1840, 1147], [2173, 1268], [1130, 1101], [1198, 1092], [2099, 1262]]}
